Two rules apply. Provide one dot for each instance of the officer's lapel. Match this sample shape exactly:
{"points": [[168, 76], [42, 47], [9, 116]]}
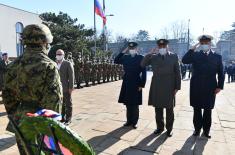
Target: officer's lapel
{"points": [[62, 65]]}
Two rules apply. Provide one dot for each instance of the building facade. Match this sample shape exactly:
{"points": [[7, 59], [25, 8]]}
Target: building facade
{"points": [[13, 21]]}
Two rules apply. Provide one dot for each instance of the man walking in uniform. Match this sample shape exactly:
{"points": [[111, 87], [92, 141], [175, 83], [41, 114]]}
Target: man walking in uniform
{"points": [[166, 81], [204, 85], [66, 71], [134, 80]]}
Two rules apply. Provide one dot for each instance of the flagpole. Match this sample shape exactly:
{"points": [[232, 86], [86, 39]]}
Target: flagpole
{"points": [[104, 27], [95, 27]]}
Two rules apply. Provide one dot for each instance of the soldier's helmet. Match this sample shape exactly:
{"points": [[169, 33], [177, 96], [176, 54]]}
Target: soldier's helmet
{"points": [[36, 34]]}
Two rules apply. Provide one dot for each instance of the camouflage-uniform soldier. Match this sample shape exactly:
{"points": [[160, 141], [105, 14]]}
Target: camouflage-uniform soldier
{"points": [[108, 70], [87, 71], [115, 72], [70, 58], [93, 71], [99, 70], [121, 72], [80, 71], [112, 71], [104, 68], [32, 81]]}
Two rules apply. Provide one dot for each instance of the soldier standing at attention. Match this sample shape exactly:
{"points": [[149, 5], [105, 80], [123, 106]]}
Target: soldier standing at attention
{"points": [[80, 71], [93, 71], [70, 58], [134, 81], [99, 70], [104, 70], [87, 71], [32, 81]]}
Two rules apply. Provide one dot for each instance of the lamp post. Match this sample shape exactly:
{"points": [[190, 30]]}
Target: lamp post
{"points": [[105, 34], [188, 35]]}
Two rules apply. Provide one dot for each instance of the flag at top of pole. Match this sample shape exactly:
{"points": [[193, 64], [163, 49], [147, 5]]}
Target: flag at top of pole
{"points": [[99, 11]]}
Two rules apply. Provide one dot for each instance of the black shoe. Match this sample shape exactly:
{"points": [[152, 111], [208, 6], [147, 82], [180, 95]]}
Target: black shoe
{"points": [[158, 131], [196, 133], [207, 135], [79, 87], [127, 124], [67, 122], [169, 133], [134, 126]]}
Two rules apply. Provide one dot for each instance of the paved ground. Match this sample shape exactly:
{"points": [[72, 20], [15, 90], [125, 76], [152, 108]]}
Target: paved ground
{"points": [[98, 118]]}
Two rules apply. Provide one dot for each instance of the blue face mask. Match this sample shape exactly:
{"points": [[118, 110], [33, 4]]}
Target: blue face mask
{"points": [[205, 47]]}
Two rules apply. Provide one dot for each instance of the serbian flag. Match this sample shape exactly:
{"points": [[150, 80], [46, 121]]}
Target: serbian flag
{"points": [[49, 141], [99, 11], [46, 113]]}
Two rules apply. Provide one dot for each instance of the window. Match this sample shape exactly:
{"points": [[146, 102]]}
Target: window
{"points": [[19, 46]]}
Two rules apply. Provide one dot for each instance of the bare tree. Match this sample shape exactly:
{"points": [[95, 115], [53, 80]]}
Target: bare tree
{"points": [[165, 33], [179, 30], [216, 36], [120, 38]]}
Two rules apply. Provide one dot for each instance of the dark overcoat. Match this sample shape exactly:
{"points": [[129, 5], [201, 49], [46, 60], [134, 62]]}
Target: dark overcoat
{"points": [[204, 81], [133, 78], [166, 79]]}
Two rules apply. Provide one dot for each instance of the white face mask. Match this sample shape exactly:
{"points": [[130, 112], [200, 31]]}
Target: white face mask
{"points": [[205, 48], [132, 52], [59, 57], [163, 51]]}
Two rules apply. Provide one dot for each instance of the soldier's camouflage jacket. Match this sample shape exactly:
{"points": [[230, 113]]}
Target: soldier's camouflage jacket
{"points": [[32, 82]]}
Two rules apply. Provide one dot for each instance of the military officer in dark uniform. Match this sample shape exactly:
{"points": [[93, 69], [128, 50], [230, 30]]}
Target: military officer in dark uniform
{"points": [[134, 80], [183, 68], [233, 72], [206, 65], [229, 71]]}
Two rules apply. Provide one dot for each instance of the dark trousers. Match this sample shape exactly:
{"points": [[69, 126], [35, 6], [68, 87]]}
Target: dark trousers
{"points": [[233, 77], [160, 118], [67, 107], [202, 120], [132, 114], [229, 78]]}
